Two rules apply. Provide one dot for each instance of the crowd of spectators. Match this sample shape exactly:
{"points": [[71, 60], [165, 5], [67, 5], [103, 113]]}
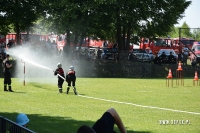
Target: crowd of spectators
{"points": [[49, 51], [2, 50]]}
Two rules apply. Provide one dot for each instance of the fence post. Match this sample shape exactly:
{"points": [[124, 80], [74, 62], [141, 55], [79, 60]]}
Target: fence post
{"points": [[3, 125]]}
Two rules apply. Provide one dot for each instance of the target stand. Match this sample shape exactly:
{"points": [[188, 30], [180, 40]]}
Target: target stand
{"points": [[179, 77]]}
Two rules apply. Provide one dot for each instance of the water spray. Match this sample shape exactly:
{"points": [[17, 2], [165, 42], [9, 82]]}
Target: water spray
{"points": [[38, 65]]}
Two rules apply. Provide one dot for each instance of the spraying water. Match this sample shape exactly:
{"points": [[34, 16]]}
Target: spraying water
{"points": [[38, 65], [34, 63], [38, 61]]}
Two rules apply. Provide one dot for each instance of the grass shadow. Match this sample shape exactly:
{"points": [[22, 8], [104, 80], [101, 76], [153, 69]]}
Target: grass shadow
{"points": [[138, 131], [56, 124]]}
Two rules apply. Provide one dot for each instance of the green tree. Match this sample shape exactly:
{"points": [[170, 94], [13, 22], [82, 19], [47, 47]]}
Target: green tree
{"points": [[185, 31], [196, 34], [4, 25], [145, 18], [115, 20], [174, 33], [20, 14]]}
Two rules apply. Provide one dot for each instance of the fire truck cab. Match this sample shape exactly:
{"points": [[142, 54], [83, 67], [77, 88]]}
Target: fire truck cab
{"points": [[166, 43], [184, 42], [158, 43]]}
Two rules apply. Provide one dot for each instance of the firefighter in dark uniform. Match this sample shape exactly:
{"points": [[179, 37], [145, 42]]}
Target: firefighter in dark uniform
{"points": [[71, 78], [60, 73], [7, 75]]}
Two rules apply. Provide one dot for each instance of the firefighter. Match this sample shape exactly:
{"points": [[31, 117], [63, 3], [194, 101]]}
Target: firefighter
{"points": [[60, 73], [71, 78], [7, 75]]}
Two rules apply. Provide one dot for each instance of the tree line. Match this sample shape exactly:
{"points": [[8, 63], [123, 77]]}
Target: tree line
{"points": [[114, 20]]}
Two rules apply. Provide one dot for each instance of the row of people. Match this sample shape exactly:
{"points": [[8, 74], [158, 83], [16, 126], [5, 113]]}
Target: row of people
{"points": [[163, 58]]}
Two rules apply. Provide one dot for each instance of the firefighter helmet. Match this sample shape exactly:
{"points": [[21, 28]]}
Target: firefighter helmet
{"points": [[22, 119], [71, 67], [59, 65]]}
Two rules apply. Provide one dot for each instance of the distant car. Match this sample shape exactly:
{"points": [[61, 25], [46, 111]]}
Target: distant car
{"points": [[107, 53], [167, 53], [195, 54], [140, 55]]}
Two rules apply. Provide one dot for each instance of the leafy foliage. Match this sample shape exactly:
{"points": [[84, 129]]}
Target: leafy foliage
{"points": [[20, 13], [114, 20]]}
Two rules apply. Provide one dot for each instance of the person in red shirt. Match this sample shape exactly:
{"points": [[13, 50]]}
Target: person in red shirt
{"points": [[60, 73]]}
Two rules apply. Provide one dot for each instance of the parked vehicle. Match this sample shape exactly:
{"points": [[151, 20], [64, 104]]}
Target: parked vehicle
{"points": [[195, 54], [167, 53], [107, 53], [140, 55], [165, 43]]}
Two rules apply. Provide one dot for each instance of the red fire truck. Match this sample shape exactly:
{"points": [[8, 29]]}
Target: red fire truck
{"points": [[165, 43], [184, 41], [158, 43], [90, 43], [23, 36], [60, 40], [2, 38]]}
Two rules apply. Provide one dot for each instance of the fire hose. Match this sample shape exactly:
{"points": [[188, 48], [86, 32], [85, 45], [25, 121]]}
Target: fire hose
{"points": [[65, 80]]}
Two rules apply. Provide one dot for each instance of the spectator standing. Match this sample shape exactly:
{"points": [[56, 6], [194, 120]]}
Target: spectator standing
{"points": [[163, 57], [185, 55], [99, 53], [55, 49], [157, 59], [104, 54], [194, 63], [7, 75], [171, 58], [114, 51], [180, 56], [105, 124]]}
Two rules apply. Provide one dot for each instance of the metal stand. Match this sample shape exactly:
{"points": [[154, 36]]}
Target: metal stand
{"points": [[179, 77], [24, 70], [196, 82], [168, 80]]}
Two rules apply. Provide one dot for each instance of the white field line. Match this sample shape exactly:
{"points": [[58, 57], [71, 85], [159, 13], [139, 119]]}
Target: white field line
{"points": [[143, 106]]}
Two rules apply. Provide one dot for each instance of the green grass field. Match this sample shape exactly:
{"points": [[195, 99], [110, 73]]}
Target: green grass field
{"points": [[143, 104]]}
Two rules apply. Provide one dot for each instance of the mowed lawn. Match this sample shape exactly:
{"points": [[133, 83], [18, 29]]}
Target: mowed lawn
{"points": [[145, 105]]}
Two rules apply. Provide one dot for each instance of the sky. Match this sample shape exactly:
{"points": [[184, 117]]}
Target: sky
{"points": [[192, 15]]}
